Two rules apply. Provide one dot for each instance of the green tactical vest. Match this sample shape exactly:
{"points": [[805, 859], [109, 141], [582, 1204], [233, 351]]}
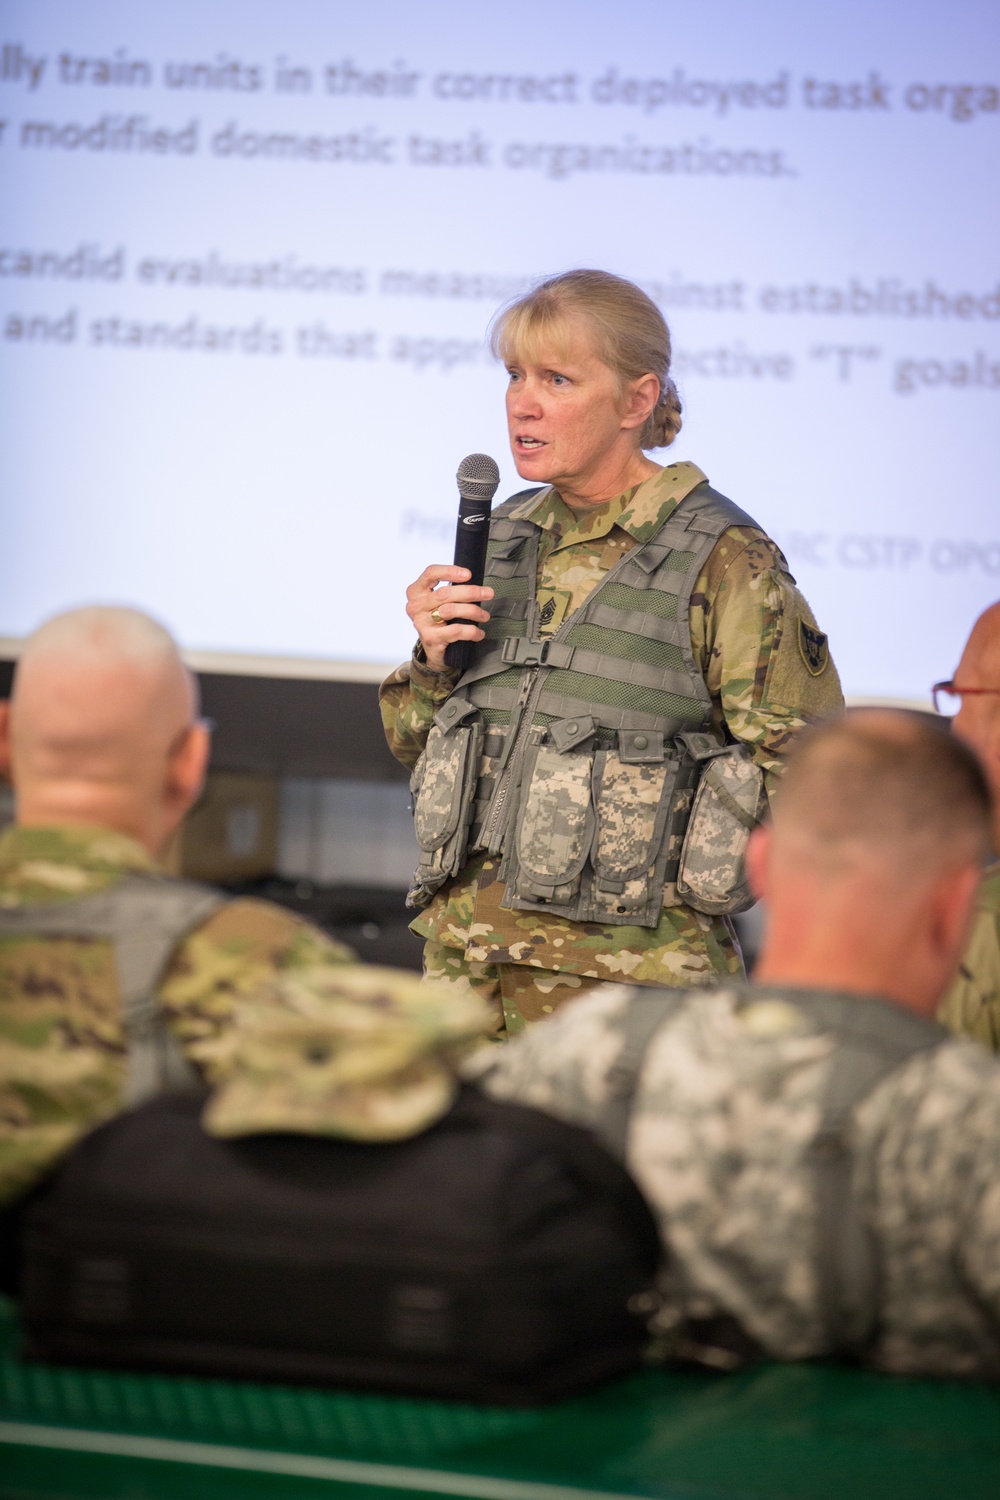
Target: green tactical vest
{"points": [[580, 757]]}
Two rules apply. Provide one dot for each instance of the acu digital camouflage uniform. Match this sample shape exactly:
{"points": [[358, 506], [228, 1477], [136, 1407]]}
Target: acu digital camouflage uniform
{"points": [[768, 673], [971, 1006], [295, 1034], [721, 1140]]}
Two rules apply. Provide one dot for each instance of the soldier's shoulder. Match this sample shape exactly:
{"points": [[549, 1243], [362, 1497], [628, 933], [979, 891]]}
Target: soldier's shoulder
{"points": [[959, 1077], [971, 1005], [264, 930], [750, 548], [250, 915]]}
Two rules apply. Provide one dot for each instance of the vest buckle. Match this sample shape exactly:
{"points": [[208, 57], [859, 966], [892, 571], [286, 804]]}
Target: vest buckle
{"points": [[518, 651]]}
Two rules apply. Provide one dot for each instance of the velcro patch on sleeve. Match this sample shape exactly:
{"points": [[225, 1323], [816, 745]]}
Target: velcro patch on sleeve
{"points": [[802, 675], [814, 649]]}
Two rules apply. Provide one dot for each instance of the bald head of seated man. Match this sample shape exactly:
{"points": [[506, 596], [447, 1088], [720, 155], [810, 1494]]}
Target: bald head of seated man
{"points": [[102, 728], [972, 1004], [822, 1158], [116, 982]]}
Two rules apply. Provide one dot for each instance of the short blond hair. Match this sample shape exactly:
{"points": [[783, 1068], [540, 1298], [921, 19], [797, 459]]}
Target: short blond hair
{"points": [[631, 334]]}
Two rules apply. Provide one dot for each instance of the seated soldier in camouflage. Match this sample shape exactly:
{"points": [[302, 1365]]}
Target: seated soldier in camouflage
{"points": [[823, 1159], [642, 663], [117, 982], [972, 1004]]}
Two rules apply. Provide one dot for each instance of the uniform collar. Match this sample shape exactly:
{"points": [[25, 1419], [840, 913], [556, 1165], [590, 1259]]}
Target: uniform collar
{"points": [[641, 511], [989, 890], [99, 849], [770, 1009]]}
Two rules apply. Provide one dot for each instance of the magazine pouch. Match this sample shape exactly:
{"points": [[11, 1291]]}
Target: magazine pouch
{"points": [[442, 785], [729, 802]]}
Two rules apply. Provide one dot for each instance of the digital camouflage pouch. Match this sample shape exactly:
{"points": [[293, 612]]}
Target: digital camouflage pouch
{"points": [[442, 785], [728, 804], [555, 827], [633, 789]]}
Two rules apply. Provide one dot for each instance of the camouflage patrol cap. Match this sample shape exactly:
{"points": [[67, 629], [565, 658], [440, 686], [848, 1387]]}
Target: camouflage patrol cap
{"points": [[348, 1050]]}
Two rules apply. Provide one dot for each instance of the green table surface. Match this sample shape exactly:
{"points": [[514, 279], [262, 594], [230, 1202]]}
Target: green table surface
{"points": [[812, 1431]]}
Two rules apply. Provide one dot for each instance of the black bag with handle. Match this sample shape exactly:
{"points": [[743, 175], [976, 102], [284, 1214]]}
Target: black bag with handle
{"points": [[497, 1257]]}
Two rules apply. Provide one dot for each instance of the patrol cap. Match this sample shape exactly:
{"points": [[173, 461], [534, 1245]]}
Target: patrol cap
{"points": [[347, 1050]]}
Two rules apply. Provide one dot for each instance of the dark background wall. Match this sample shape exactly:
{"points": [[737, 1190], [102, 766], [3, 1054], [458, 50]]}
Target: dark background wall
{"points": [[289, 727]]}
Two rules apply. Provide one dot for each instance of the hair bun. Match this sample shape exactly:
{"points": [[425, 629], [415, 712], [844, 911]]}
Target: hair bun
{"points": [[664, 421]]}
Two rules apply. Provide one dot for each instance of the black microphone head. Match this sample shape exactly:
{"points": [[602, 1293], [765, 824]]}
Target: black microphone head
{"points": [[478, 477]]}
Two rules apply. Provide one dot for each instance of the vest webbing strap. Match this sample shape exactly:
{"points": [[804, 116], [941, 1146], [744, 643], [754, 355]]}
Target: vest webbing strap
{"points": [[145, 917], [874, 1038], [646, 1012]]}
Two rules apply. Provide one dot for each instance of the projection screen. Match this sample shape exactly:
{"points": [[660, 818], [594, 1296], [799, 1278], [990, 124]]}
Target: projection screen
{"points": [[250, 252]]}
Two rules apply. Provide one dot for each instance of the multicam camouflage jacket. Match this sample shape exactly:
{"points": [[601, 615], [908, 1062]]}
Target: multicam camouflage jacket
{"points": [[766, 673], [293, 1032], [721, 1139], [971, 1006]]}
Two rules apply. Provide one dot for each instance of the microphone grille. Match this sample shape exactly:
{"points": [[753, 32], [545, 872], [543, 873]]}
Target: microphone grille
{"points": [[478, 477]]}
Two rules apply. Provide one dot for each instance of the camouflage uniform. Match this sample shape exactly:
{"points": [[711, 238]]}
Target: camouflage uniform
{"points": [[725, 1114], [747, 621], [972, 1006], [297, 1035]]}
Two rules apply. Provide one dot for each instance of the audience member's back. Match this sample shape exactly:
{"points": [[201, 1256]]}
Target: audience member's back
{"points": [[824, 1163], [115, 982]]}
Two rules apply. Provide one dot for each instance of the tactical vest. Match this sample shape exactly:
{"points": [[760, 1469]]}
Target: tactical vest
{"points": [[585, 759], [145, 917]]}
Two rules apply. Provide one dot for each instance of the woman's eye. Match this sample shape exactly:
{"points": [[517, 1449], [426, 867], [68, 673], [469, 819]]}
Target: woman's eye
{"points": [[559, 379]]}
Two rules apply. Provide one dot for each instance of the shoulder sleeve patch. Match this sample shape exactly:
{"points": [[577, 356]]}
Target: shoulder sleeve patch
{"points": [[813, 648], [802, 675]]}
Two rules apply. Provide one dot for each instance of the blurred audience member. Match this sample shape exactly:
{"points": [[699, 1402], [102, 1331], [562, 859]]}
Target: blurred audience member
{"points": [[823, 1159], [118, 983], [972, 1004]]}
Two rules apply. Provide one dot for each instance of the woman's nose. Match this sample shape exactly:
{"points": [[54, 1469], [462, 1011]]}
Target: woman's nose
{"points": [[524, 401]]}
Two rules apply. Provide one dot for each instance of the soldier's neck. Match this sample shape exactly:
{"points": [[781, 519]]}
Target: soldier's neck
{"points": [[67, 804], [606, 481], [827, 970], [854, 945]]}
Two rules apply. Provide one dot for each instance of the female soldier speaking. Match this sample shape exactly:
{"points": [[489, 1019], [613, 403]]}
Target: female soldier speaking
{"points": [[584, 792]]}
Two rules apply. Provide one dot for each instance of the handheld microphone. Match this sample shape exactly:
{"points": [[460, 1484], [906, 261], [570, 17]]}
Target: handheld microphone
{"points": [[478, 478]]}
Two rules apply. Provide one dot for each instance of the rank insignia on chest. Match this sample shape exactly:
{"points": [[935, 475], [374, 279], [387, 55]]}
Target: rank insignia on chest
{"points": [[552, 607], [814, 649]]}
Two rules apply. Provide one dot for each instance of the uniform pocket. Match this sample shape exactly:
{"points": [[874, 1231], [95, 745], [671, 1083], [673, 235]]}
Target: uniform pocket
{"points": [[728, 804], [555, 825], [632, 803]]}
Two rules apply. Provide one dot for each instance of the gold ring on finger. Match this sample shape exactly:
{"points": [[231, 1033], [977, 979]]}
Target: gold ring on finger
{"points": [[437, 616]]}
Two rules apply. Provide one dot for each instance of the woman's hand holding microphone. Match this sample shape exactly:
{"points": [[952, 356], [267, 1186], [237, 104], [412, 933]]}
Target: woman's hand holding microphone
{"points": [[445, 608]]}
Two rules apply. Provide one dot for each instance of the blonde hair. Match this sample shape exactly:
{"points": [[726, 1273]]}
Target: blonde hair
{"points": [[631, 334]]}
